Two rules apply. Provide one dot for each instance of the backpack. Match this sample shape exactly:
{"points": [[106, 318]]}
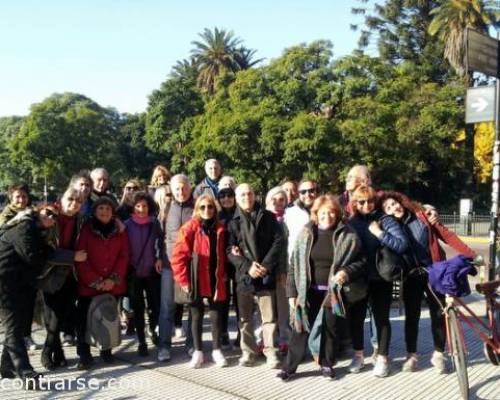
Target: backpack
{"points": [[103, 322]]}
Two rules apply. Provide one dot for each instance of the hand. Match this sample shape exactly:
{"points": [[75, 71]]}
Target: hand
{"points": [[375, 229], [185, 289], [341, 277], [432, 216], [80, 256], [159, 266], [107, 285], [263, 270], [255, 271], [292, 301], [235, 251], [120, 225]]}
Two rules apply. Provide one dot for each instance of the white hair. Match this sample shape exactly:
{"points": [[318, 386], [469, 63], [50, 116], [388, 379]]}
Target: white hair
{"points": [[274, 192], [240, 187], [210, 161], [97, 172], [179, 178], [229, 180]]}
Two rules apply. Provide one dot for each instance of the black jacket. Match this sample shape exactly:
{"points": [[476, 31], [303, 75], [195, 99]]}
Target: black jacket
{"points": [[23, 254], [263, 245]]}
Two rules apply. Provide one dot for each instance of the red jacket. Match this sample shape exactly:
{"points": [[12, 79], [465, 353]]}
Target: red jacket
{"points": [[106, 258], [191, 239], [439, 232]]}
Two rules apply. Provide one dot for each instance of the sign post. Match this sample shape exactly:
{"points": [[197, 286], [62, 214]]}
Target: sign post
{"points": [[483, 55]]}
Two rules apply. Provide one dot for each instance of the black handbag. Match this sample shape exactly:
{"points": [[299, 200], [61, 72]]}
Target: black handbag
{"points": [[390, 265], [181, 296], [355, 291]]}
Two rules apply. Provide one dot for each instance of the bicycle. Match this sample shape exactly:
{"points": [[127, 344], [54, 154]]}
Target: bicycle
{"points": [[456, 310]]}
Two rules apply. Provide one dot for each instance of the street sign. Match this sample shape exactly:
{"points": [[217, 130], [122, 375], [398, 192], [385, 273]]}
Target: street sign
{"points": [[480, 104], [483, 54]]}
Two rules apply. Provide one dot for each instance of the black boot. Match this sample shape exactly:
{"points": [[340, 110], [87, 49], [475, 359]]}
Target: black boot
{"points": [[46, 358], [59, 357], [107, 357]]}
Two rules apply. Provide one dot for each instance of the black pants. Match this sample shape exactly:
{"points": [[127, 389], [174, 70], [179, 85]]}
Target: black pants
{"points": [[356, 314], [14, 315], [225, 306], [197, 312], [179, 311], [151, 287], [60, 312], [30, 311], [297, 346], [413, 292], [82, 308], [380, 298]]}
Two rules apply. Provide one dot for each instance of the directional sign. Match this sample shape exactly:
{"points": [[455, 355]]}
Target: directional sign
{"points": [[483, 54], [480, 104]]}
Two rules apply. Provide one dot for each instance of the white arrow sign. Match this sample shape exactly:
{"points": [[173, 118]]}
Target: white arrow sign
{"points": [[480, 104]]}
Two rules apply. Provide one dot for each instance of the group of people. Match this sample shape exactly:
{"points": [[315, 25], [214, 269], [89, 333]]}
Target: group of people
{"points": [[306, 260]]}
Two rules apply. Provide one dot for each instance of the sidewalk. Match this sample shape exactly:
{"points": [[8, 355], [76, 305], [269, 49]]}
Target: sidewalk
{"points": [[145, 378]]}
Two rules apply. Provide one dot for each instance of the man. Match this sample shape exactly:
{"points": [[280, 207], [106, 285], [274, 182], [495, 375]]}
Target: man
{"points": [[210, 184], [100, 184], [292, 194], [357, 176], [254, 248], [181, 211], [297, 216], [82, 182]]}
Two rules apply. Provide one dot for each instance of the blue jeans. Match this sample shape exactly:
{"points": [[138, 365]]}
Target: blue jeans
{"points": [[167, 309]]}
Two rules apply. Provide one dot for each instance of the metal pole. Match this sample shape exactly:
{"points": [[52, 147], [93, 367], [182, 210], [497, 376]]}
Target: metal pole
{"points": [[495, 187]]}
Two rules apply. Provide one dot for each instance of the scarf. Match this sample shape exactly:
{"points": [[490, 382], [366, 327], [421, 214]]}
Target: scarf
{"points": [[141, 220], [214, 185], [105, 230]]}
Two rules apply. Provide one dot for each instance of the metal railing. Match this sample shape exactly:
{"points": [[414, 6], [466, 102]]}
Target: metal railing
{"points": [[470, 225]]}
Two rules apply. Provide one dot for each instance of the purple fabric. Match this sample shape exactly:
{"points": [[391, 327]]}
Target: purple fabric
{"points": [[450, 277], [137, 235]]}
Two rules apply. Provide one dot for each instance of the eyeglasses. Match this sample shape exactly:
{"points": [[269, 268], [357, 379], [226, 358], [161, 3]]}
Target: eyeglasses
{"points": [[129, 188], [363, 202], [310, 191], [206, 206], [70, 199], [49, 214], [226, 195]]}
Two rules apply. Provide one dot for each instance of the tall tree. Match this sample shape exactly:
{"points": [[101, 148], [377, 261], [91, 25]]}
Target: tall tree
{"points": [[451, 20]]}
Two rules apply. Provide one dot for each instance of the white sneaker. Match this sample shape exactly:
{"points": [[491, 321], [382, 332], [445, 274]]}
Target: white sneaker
{"points": [[68, 340], [381, 368], [246, 360], [196, 359], [179, 333], [375, 353], [272, 361], [30, 344], [411, 363], [438, 359], [163, 355], [219, 358], [357, 364]]}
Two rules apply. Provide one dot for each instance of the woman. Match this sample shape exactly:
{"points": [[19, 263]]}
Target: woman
{"points": [[203, 239], [23, 253], [19, 200], [163, 198], [60, 306], [104, 270], [161, 177], [424, 249], [227, 182], [146, 244], [375, 230], [326, 250], [276, 202], [227, 202], [125, 208]]}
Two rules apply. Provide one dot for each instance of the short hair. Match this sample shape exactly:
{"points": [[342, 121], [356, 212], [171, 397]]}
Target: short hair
{"points": [[71, 191], [231, 181], [82, 174], [210, 161], [179, 178], [239, 188], [273, 192], [326, 200], [159, 170], [196, 209], [98, 171], [360, 192], [143, 196], [18, 187], [103, 200], [306, 179], [364, 170]]}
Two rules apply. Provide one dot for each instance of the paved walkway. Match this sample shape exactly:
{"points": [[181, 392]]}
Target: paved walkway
{"points": [[131, 377]]}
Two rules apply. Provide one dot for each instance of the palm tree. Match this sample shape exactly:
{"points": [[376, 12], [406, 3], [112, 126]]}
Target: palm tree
{"points": [[451, 20], [219, 51], [186, 69]]}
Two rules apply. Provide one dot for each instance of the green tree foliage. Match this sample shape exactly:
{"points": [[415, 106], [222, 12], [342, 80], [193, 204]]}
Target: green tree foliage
{"points": [[9, 128]]}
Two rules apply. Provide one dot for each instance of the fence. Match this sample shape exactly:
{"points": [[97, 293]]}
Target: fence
{"points": [[470, 225]]}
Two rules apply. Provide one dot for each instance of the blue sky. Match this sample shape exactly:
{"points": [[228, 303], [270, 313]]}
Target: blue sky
{"points": [[117, 52]]}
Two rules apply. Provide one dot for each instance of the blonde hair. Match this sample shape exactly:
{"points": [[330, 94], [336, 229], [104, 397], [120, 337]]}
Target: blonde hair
{"points": [[326, 200], [160, 170], [361, 193], [197, 211], [163, 201]]}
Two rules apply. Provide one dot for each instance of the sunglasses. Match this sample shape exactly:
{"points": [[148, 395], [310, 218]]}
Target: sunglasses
{"points": [[70, 199], [129, 188], [49, 214], [363, 202], [207, 206], [310, 191], [224, 196]]}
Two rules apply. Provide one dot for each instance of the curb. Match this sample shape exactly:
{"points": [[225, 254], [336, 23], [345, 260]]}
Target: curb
{"points": [[470, 239]]}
